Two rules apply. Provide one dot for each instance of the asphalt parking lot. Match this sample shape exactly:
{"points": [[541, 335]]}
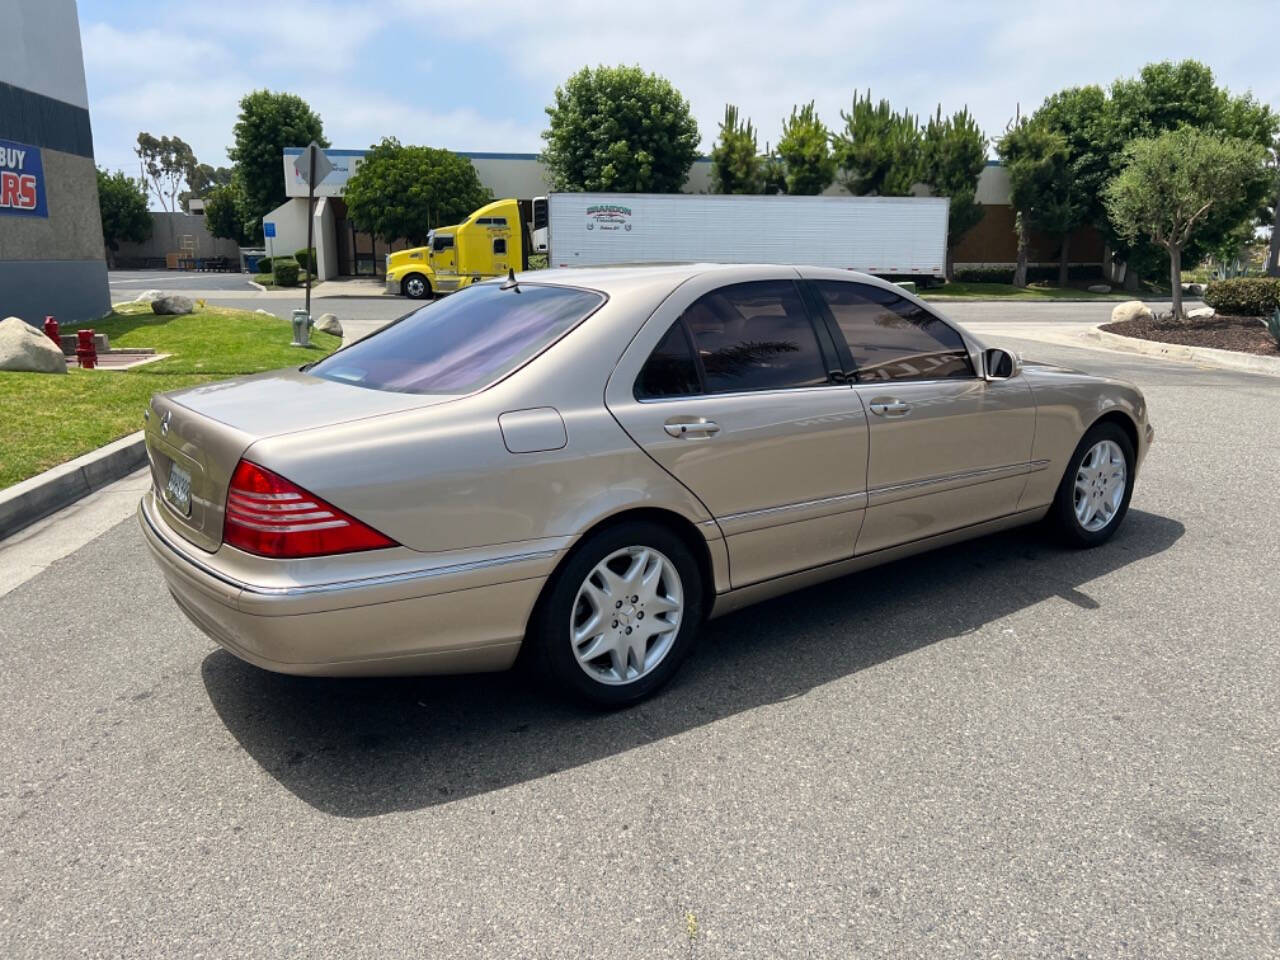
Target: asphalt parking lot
{"points": [[1003, 749]]}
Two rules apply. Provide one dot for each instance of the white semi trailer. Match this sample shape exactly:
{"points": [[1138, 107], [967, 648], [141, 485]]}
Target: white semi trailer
{"points": [[891, 236]]}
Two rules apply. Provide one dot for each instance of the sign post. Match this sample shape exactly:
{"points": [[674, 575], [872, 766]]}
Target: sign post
{"points": [[312, 166]]}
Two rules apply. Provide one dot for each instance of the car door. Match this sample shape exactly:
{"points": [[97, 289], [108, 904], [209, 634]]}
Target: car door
{"points": [[948, 448], [735, 388]]}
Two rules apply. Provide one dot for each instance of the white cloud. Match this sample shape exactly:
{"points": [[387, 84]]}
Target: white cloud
{"points": [[373, 68]]}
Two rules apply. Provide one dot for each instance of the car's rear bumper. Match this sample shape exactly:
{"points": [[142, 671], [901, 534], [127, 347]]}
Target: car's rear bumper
{"points": [[448, 618]]}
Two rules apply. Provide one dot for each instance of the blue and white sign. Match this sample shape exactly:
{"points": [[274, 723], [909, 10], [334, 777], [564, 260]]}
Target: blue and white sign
{"points": [[268, 228], [21, 181]]}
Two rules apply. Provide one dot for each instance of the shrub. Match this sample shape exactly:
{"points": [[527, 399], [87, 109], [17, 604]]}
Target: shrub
{"points": [[285, 272], [1273, 325], [305, 258], [264, 264], [1244, 296]]}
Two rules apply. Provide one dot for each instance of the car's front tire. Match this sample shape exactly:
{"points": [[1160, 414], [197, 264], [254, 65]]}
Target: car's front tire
{"points": [[416, 287], [620, 616], [1093, 497]]}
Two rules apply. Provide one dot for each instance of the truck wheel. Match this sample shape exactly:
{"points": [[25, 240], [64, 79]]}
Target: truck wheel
{"points": [[415, 287]]}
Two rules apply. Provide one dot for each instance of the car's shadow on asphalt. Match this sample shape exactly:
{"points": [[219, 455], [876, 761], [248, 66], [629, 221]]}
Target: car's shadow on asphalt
{"points": [[358, 748]]}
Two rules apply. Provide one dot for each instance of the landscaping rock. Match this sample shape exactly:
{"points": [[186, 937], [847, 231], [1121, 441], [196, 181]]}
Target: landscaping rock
{"points": [[172, 306], [1193, 289], [329, 324], [23, 348], [266, 313], [1100, 288], [1200, 313], [1130, 310], [147, 296]]}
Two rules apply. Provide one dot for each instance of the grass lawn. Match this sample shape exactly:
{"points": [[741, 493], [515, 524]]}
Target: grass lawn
{"points": [[1007, 291], [46, 419]]}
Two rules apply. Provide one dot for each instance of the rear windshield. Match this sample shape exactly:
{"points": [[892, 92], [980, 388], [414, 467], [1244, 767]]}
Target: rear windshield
{"points": [[463, 342]]}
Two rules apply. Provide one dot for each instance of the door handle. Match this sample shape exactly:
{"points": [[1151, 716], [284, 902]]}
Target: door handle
{"points": [[694, 427], [890, 407]]}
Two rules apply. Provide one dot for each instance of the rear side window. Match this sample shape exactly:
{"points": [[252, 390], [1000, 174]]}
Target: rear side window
{"points": [[671, 370], [463, 342], [755, 336], [892, 338]]}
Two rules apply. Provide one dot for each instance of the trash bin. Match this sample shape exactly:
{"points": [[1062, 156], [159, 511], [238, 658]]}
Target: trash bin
{"points": [[251, 261]]}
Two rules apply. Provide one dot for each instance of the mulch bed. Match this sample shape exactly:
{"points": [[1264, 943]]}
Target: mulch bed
{"points": [[1242, 334]]}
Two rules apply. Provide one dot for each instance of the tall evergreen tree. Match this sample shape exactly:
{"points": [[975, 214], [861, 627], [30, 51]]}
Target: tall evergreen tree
{"points": [[805, 152], [736, 165], [953, 153], [878, 150]]}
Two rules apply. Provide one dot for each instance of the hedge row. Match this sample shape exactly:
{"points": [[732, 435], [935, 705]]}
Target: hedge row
{"points": [[1244, 296], [1034, 274]]}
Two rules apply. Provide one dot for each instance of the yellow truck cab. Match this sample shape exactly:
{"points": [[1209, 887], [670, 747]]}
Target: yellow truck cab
{"points": [[487, 244]]}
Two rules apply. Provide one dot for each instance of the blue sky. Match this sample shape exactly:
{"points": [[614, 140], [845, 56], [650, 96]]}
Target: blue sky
{"points": [[477, 75]]}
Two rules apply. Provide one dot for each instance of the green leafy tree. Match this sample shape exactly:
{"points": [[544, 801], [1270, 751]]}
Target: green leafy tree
{"points": [[953, 152], [1036, 161], [165, 163], [804, 150], [203, 178], [403, 192], [122, 201], [1170, 183], [619, 129], [736, 164], [268, 123], [225, 216], [878, 150], [1166, 96]]}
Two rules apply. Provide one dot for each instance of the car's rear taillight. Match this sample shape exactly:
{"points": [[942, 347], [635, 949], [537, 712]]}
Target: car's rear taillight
{"points": [[269, 516]]}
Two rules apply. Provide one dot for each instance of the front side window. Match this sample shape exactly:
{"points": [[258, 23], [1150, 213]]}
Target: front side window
{"points": [[465, 342], [442, 243], [755, 336], [892, 338]]}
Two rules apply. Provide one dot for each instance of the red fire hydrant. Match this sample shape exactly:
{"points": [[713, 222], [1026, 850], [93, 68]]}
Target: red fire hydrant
{"points": [[86, 352], [51, 331]]}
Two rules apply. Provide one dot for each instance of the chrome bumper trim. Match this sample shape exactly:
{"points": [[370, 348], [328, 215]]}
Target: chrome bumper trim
{"points": [[302, 590]]}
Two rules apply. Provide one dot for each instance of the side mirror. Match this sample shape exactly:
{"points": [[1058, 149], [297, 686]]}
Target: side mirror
{"points": [[1000, 364]]}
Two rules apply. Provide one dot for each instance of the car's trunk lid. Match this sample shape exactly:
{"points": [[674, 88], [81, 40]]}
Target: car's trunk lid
{"points": [[195, 437]]}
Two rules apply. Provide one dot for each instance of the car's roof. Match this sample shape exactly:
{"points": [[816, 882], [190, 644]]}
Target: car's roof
{"points": [[611, 277]]}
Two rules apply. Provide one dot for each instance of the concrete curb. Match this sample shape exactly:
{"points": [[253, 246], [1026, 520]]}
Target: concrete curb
{"points": [[1209, 356], [257, 286], [36, 497]]}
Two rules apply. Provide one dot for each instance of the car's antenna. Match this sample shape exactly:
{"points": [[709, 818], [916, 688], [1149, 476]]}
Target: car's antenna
{"points": [[511, 283]]}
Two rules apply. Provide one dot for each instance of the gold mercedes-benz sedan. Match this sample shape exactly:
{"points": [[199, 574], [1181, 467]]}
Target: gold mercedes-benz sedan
{"points": [[590, 463]]}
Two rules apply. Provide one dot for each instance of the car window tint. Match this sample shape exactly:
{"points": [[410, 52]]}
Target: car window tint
{"points": [[892, 338], [463, 342], [670, 370], [755, 336]]}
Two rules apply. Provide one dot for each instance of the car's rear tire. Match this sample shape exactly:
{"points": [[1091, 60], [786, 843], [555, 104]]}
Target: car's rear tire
{"points": [[620, 616], [1093, 497], [416, 287]]}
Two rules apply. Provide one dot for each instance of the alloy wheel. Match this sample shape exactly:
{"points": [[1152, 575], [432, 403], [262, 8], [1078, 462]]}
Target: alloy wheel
{"points": [[1100, 485], [626, 615]]}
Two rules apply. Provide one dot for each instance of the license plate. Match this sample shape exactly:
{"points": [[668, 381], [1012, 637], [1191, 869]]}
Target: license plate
{"points": [[178, 490]]}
